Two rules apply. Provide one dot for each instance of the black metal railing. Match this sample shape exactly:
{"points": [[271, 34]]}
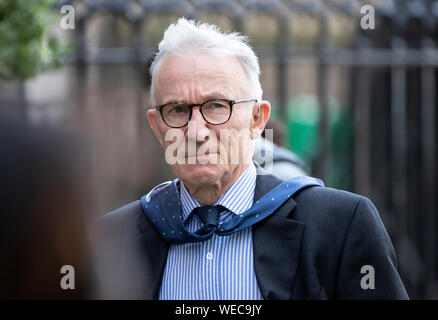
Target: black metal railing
{"points": [[392, 73]]}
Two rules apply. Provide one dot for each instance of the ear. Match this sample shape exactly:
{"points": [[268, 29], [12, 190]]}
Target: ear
{"points": [[260, 116], [153, 122]]}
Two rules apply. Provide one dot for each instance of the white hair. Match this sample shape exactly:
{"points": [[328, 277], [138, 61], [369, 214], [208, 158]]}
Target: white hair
{"points": [[185, 34]]}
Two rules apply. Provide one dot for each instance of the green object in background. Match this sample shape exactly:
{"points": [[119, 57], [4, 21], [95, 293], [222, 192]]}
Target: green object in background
{"points": [[302, 124], [25, 46], [303, 115]]}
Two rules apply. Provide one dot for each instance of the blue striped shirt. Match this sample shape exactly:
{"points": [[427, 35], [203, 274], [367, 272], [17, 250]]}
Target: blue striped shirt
{"points": [[222, 267]]}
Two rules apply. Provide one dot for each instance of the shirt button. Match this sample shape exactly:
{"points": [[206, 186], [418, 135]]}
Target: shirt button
{"points": [[209, 255]]}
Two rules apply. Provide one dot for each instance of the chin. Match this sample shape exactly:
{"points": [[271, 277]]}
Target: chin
{"points": [[199, 174]]}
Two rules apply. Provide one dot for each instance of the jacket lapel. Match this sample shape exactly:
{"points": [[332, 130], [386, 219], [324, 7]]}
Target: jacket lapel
{"points": [[276, 242]]}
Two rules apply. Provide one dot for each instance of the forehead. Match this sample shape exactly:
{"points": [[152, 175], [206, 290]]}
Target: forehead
{"points": [[198, 75]]}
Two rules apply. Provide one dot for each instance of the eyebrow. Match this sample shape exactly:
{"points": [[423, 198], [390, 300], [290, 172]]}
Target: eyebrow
{"points": [[209, 96], [214, 95]]}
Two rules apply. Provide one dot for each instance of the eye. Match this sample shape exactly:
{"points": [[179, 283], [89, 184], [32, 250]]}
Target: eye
{"points": [[218, 105], [178, 109]]}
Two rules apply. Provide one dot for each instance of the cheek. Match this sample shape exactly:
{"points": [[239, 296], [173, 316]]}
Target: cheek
{"points": [[242, 116], [171, 137]]}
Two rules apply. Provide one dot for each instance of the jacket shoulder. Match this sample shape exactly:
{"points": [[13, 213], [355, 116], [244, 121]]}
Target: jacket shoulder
{"points": [[328, 199], [121, 218], [332, 209], [128, 209], [328, 196]]}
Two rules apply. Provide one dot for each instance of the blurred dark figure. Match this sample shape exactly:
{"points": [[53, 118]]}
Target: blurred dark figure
{"points": [[44, 201], [285, 164], [278, 130]]}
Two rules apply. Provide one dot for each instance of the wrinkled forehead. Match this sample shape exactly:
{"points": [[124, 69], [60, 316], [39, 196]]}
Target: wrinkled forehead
{"points": [[199, 75]]}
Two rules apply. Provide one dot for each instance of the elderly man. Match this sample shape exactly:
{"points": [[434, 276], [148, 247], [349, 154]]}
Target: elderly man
{"points": [[224, 228]]}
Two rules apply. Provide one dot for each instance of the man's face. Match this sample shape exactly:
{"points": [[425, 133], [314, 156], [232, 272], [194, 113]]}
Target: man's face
{"points": [[196, 77]]}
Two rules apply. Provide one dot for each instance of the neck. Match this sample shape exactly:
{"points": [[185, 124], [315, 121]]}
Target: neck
{"points": [[209, 195]]}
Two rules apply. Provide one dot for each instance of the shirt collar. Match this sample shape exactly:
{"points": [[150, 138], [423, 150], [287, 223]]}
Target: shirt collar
{"points": [[238, 198]]}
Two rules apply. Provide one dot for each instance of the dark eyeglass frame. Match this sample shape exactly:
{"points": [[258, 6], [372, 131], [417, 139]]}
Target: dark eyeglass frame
{"points": [[191, 106]]}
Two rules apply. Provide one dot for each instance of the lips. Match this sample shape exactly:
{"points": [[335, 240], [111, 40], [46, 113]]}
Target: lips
{"points": [[207, 153]]}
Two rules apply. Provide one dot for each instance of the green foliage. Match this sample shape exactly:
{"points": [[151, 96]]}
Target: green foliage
{"points": [[25, 46]]}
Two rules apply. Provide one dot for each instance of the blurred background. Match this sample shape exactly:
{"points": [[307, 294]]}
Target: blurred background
{"points": [[357, 106]]}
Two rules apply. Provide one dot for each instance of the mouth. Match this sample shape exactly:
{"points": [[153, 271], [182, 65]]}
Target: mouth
{"points": [[200, 155], [203, 158]]}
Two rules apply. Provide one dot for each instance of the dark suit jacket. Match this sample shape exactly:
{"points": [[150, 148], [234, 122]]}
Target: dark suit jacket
{"points": [[312, 247]]}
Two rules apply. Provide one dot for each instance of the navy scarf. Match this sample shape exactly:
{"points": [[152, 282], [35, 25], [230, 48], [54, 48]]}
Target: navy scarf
{"points": [[162, 206]]}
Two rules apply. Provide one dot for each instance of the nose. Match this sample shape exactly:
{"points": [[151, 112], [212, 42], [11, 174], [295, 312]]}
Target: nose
{"points": [[197, 125]]}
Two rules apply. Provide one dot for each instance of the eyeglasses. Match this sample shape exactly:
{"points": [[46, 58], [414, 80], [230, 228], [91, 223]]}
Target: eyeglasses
{"points": [[214, 111]]}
